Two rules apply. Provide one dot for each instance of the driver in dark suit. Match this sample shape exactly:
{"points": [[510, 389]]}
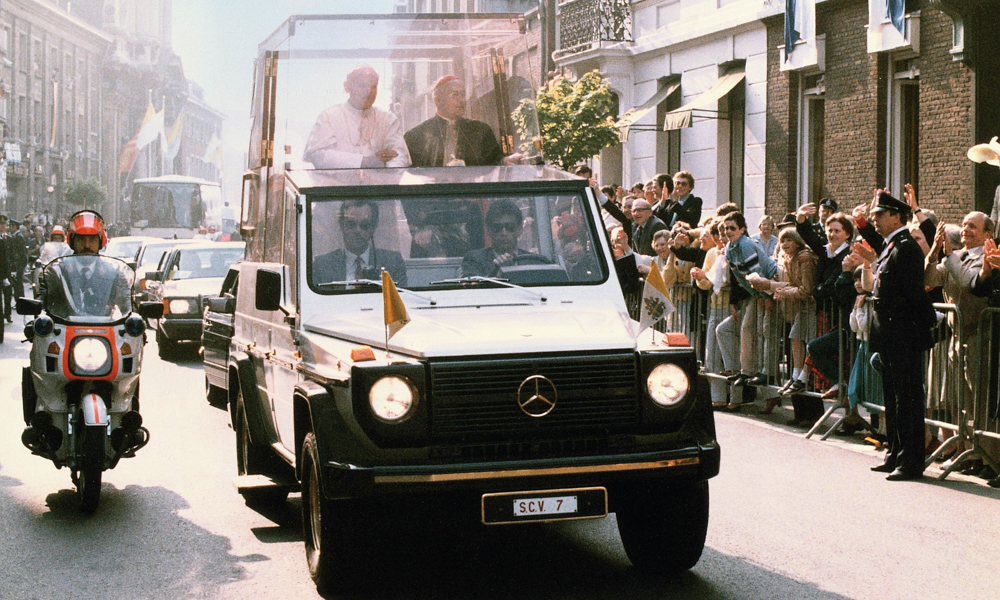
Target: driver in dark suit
{"points": [[359, 258], [503, 222]]}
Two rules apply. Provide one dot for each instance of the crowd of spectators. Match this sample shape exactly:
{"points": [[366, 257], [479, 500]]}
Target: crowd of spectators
{"points": [[786, 310]]}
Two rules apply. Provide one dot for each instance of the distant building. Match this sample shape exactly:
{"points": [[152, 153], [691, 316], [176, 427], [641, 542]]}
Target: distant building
{"points": [[51, 103], [76, 79]]}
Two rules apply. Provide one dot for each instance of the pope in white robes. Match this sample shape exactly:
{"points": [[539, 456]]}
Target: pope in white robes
{"points": [[357, 135]]}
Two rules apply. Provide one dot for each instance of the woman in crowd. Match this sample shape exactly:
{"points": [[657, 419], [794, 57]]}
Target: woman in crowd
{"points": [[713, 277], [793, 289], [764, 239], [866, 383], [834, 294]]}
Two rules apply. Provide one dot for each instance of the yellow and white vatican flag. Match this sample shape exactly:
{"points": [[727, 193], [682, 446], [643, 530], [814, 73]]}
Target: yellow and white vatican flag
{"points": [[393, 308], [152, 127], [656, 302]]}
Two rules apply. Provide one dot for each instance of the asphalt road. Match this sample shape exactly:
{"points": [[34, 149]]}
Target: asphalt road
{"points": [[790, 518]]}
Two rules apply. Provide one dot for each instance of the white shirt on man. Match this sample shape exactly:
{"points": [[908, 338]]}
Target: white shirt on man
{"points": [[344, 135]]}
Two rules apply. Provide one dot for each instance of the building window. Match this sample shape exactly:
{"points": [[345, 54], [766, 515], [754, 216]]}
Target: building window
{"points": [[904, 124], [812, 139], [668, 143], [733, 108]]}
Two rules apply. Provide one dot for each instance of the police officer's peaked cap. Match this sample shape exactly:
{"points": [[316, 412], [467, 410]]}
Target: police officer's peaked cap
{"points": [[887, 202], [829, 203]]}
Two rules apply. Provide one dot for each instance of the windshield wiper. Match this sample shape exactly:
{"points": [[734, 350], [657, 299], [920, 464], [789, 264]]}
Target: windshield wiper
{"points": [[378, 284], [496, 280], [351, 283]]}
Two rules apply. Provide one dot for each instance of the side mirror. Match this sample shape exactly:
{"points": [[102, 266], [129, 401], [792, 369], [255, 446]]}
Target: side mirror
{"points": [[29, 306], [151, 310], [268, 293], [154, 275], [132, 264], [225, 305]]}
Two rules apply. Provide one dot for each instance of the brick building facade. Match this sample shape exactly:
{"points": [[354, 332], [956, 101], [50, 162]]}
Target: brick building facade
{"points": [[867, 116]]}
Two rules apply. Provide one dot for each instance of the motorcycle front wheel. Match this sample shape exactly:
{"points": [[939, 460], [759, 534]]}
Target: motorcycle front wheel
{"points": [[88, 486]]}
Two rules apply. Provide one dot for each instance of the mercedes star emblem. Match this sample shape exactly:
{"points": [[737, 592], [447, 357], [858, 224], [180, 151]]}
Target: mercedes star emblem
{"points": [[536, 396]]}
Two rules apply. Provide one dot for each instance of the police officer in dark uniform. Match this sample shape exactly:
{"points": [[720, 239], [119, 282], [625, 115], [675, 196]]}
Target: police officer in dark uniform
{"points": [[900, 333]]}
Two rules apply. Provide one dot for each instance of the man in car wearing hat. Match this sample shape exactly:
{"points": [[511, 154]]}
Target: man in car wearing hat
{"points": [[900, 333]]}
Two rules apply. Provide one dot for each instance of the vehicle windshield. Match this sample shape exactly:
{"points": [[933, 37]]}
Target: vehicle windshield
{"points": [[87, 288], [167, 204], [153, 253], [123, 248], [445, 241], [196, 263], [346, 92]]}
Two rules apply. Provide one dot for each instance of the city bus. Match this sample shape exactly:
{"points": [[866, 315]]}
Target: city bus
{"points": [[176, 205]]}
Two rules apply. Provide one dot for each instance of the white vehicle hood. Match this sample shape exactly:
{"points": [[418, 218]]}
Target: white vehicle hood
{"points": [[490, 330]]}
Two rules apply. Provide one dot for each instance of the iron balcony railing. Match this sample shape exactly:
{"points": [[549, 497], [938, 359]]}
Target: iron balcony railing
{"points": [[586, 23]]}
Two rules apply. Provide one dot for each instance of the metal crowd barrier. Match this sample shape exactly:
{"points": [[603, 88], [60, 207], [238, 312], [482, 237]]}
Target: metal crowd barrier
{"points": [[972, 415]]}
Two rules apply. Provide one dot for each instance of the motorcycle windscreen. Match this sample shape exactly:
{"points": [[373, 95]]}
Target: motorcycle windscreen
{"points": [[87, 288]]}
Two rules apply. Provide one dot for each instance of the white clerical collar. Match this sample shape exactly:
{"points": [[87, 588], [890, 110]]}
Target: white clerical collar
{"points": [[447, 120], [358, 112]]}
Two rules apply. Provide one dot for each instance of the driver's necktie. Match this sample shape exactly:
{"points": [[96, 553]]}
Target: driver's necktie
{"points": [[359, 268]]}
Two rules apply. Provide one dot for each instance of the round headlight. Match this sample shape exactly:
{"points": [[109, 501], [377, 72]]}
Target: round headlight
{"points": [[180, 306], [43, 325], [667, 384], [391, 398], [135, 325], [91, 356]]}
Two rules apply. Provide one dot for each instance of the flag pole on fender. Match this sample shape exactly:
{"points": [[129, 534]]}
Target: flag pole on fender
{"points": [[393, 309]]}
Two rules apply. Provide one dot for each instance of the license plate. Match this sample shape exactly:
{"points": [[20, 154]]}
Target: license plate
{"points": [[544, 505]]}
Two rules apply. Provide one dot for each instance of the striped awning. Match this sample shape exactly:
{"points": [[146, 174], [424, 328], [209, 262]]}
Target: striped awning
{"points": [[704, 103]]}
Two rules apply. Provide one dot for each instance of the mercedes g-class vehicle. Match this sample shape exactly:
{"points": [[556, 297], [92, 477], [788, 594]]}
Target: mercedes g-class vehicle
{"points": [[440, 321]]}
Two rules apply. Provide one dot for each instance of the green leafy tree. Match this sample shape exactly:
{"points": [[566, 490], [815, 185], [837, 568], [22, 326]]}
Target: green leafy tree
{"points": [[575, 119], [86, 193]]}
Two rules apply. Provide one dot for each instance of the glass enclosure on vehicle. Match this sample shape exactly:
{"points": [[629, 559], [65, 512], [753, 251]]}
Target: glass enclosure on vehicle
{"points": [[442, 237], [87, 288], [310, 110]]}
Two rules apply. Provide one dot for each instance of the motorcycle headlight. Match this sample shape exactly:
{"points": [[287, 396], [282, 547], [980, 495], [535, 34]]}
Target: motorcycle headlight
{"points": [[667, 384], [135, 325], [180, 306], [391, 398], [43, 325], [90, 356]]}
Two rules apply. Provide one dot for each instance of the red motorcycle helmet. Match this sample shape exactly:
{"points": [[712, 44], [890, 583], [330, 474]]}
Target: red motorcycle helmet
{"points": [[86, 222], [57, 230]]}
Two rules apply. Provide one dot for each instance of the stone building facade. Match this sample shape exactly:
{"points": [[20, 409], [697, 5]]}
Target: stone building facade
{"points": [[76, 80], [52, 102]]}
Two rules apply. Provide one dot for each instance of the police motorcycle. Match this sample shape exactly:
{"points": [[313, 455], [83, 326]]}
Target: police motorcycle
{"points": [[80, 392]]}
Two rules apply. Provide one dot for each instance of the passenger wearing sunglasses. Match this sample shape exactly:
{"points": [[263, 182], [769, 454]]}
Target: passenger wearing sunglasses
{"points": [[503, 224], [359, 258]]}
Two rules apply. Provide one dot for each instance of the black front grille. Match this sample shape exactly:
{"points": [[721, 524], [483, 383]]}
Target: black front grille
{"points": [[478, 399]]}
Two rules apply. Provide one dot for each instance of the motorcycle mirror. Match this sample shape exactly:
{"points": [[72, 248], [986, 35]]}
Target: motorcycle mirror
{"points": [[151, 310], [29, 306]]}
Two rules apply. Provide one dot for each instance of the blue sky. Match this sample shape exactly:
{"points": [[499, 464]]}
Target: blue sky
{"points": [[217, 41]]}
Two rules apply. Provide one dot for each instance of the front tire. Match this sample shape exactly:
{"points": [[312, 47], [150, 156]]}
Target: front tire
{"points": [[332, 530], [252, 459], [88, 485], [663, 529], [216, 396], [165, 347]]}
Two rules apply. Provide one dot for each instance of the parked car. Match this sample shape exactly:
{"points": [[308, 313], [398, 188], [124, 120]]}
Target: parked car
{"points": [[148, 258], [216, 333], [188, 273], [126, 247]]}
